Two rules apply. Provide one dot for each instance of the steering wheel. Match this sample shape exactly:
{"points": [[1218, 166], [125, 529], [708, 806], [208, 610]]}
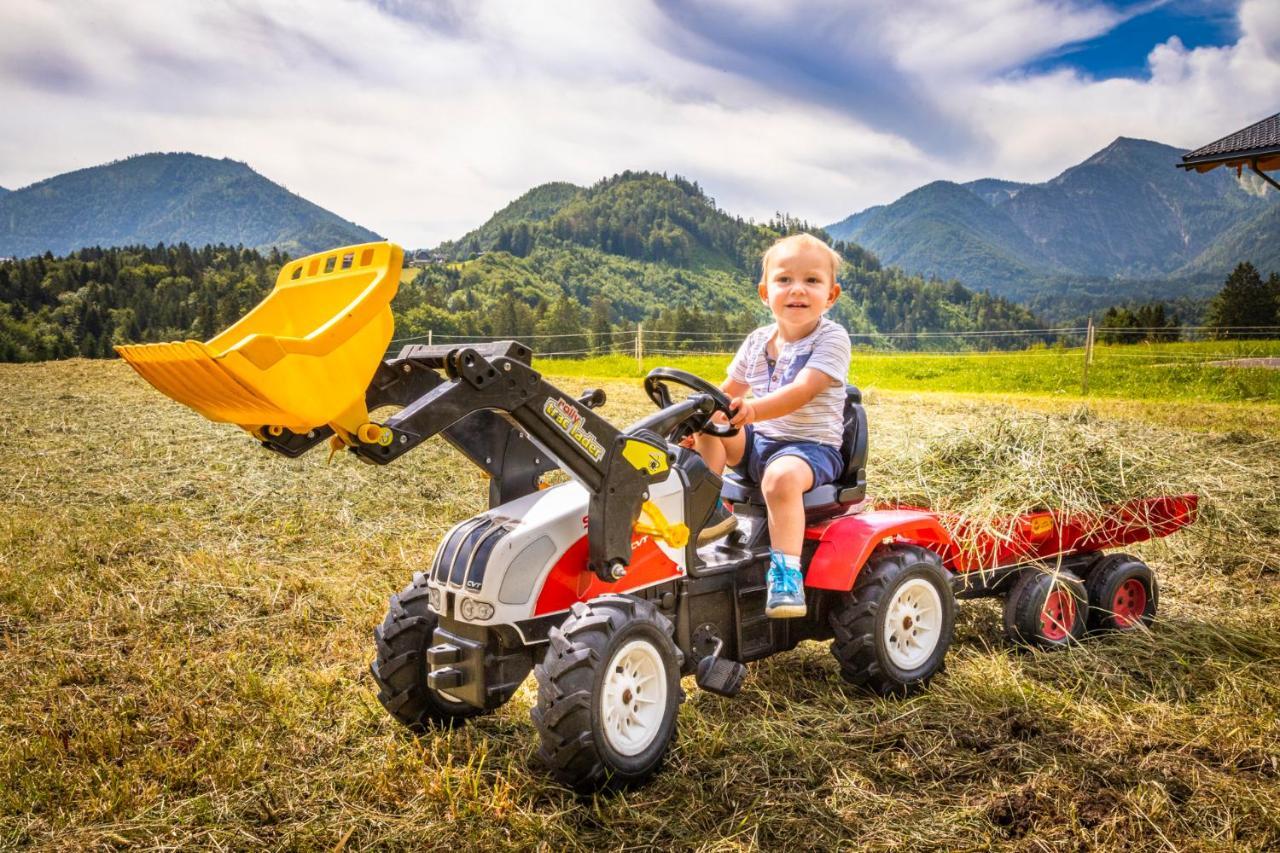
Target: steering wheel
{"points": [[655, 385]]}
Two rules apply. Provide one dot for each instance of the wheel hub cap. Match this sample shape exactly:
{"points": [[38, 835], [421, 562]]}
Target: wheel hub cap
{"points": [[1058, 616], [913, 626], [1130, 603], [633, 698]]}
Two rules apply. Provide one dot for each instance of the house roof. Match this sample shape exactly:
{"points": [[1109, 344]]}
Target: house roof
{"points": [[1257, 145]]}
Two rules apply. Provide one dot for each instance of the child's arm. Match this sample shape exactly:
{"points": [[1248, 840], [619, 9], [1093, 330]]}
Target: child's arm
{"points": [[807, 384]]}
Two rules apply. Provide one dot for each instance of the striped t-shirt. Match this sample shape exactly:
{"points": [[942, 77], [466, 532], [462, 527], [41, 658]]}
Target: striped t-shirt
{"points": [[826, 348]]}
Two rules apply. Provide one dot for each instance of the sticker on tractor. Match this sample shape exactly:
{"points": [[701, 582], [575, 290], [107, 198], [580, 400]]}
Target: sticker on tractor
{"points": [[644, 456], [570, 421], [1041, 525]]}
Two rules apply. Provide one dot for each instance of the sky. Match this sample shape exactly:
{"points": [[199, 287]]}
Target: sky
{"points": [[420, 119]]}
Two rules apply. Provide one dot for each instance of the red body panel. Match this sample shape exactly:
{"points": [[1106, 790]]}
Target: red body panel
{"points": [[845, 542], [570, 579]]}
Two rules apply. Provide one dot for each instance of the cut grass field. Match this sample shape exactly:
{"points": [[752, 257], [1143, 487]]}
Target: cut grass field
{"points": [[185, 626]]}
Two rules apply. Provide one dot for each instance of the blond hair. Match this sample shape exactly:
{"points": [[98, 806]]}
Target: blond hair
{"points": [[806, 240]]}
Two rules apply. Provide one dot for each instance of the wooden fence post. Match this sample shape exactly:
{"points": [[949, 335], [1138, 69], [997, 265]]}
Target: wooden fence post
{"points": [[1088, 358], [640, 347]]}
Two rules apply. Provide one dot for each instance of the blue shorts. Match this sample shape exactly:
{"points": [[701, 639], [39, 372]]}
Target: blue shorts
{"points": [[825, 460]]}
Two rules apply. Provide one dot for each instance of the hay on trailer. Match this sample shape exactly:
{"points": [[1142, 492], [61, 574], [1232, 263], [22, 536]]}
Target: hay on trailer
{"points": [[1010, 463]]}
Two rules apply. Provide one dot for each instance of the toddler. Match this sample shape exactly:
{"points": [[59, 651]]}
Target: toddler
{"points": [[793, 422]]}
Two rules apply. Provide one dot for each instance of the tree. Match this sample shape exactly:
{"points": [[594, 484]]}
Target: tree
{"points": [[1245, 300], [601, 330], [565, 326]]}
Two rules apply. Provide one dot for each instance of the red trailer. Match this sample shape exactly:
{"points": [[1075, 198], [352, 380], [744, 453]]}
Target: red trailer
{"points": [[1050, 565]]}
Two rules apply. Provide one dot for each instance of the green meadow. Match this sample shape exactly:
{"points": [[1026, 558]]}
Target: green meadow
{"points": [[1181, 371]]}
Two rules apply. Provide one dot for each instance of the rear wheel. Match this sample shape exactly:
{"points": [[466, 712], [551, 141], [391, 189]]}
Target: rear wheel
{"points": [[400, 669], [1046, 609], [1123, 594], [893, 630], [608, 694]]}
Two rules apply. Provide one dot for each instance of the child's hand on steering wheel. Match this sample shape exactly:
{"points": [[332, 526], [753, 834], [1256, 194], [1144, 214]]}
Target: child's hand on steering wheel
{"points": [[744, 412]]}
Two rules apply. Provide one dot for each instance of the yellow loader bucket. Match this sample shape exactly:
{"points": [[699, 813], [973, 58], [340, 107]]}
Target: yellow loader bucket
{"points": [[301, 359]]}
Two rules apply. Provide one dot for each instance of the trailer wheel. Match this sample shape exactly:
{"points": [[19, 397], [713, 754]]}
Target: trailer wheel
{"points": [[893, 630], [400, 669], [1123, 593], [608, 694], [1046, 609]]}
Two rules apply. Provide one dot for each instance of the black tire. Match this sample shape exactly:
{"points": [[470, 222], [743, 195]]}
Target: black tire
{"points": [[1046, 609], [1122, 592], [570, 713], [858, 620], [400, 669]]}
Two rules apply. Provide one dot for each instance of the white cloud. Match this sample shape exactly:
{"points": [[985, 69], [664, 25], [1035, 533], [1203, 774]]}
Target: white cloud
{"points": [[419, 121]]}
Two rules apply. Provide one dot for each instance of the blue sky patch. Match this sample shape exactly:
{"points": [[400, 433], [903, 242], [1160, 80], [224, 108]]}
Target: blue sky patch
{"points": [[1122, 52]]}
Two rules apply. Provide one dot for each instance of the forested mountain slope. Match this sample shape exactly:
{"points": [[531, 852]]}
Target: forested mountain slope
{"points": [[166, 198], [1121, 221]]}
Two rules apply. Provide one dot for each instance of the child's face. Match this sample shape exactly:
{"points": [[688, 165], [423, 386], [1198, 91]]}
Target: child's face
{"points": [[798, 285]]}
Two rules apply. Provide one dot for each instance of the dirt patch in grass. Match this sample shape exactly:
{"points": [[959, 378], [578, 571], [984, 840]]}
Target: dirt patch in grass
{"points": [[185, 626]]}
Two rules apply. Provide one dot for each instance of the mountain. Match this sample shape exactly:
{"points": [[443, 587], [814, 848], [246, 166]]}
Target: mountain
{"points": [[1123, 216], [1126, 211], [3, 191], [568, 269], [537, 205], [944, 230], [1256, 240], [642, 247], [166, 198]]}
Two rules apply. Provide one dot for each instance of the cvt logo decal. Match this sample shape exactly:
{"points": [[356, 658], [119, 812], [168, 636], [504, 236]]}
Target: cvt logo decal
{"points": [[569, 420]]}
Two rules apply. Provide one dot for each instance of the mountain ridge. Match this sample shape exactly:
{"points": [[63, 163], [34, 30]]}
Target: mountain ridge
{"points": [[173, 197], [1122, 216]]}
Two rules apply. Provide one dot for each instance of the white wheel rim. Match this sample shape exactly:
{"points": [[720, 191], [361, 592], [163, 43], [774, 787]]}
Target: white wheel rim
{"points": [[913, 624], [633, 698]]}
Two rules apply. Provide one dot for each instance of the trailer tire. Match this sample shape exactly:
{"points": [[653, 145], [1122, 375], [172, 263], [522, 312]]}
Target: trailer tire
{"points": [[400, 668], [605, 650], [908, 585], [1046, 609], [1123, 593]]}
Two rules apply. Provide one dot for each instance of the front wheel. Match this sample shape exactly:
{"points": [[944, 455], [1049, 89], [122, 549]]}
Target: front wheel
{"points": [[608, 694], [400, 668], [893, 630]]}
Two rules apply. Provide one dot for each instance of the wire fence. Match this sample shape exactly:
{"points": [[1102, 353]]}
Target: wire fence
{"points": [[1235, 342]]}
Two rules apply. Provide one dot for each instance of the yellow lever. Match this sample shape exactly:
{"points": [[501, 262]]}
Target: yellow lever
{"points": [[675, 535]]}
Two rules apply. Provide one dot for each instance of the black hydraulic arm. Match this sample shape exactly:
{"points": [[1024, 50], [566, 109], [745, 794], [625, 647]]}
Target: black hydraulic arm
{"points": [[616, 468]]}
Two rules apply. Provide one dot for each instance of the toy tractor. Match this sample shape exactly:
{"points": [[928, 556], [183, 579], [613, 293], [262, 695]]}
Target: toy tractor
{"points": [[596, 584]]}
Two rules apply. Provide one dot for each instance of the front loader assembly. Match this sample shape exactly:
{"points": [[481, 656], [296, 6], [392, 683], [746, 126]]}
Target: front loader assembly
{"points": [[306, 365]]}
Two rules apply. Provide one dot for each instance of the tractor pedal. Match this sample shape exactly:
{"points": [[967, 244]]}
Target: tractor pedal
{"points": [[721, 676]]}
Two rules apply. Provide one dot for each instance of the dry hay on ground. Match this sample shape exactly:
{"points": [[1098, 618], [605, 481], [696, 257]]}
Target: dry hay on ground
{"points": [[185, 627]]}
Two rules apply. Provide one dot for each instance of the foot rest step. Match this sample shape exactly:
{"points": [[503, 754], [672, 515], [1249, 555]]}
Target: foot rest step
{"points": [[721, 676]]}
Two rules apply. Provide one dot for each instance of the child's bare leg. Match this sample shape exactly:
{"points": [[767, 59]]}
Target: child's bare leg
{"points": [[785, 481], [720, 452]]}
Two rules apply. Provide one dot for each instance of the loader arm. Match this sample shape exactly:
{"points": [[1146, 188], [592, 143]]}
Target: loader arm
{"points": [[500, 412]]}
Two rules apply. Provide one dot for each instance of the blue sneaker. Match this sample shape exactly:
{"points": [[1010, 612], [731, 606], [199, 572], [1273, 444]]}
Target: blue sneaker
{"points": [[786, 590]]}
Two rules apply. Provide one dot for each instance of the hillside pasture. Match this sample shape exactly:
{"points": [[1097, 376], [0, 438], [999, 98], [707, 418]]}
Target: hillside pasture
{"points": [[185, 629]]}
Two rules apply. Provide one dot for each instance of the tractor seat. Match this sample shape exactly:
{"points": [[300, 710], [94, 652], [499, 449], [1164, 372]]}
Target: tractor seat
{"points": [[850, 488]]}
